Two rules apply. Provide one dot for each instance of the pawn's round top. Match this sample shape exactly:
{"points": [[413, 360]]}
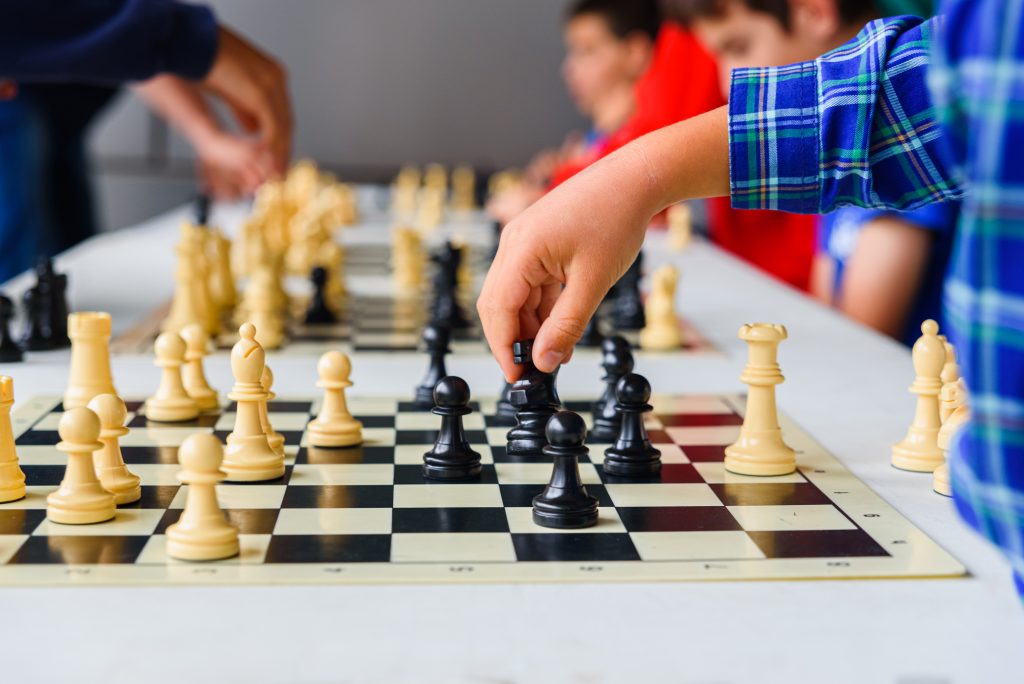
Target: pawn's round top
{"points": [[451, 392], [109, 409], [929, 327], [435, 336], [615, 343], [318, 275], [195, 338], [79, 426], [334, 367], [201, 452], [169, 347], [566, 429], [247, 331], [633, 388]]}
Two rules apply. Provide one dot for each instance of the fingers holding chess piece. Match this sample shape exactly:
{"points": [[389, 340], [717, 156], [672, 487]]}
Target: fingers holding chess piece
{"points": [[451, 458], [81, 499], [12, 479], [193, 376], [565, 503], [108, 461], [202, 533], [334, 426], [171, 403]]}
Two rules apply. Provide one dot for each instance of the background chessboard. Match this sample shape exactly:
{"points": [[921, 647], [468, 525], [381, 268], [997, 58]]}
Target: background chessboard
{"points": [[366, 514]]}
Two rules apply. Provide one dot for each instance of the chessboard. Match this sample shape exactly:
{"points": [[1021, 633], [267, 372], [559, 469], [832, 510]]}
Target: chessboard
{"points": [[367, 515]]}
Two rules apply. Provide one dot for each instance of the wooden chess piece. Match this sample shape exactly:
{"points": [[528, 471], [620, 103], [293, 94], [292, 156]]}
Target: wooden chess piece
{"points": [[171, 403], [632, 455], [451, 458], [202, 533], [954, 400], [222, 280], [950, 373], [108, 461], [617, 361], [435, 340], [680, 226], [760, 449], [536, 399], [274, 438], [662, 330], [334, 426], [81, 499], [192, 374], [12, 479], [919, 451], [565, 502], [89, 372], [249, 456], [10, 351], [187, 306]]}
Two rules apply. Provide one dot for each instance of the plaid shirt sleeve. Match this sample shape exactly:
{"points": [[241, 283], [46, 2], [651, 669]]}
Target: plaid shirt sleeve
{"points": [[978, 80], [856, 126]]}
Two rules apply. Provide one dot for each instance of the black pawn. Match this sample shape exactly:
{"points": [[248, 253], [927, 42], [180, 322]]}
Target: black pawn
{"points": [[451, 458], [10, 352], [38, 335], [201, 210], [319, 313], [632, 455], [535, 399], [435, 340], [505, 412], [59, 311], [565, 503], [617, 361], [592, 336], [628, 310]]}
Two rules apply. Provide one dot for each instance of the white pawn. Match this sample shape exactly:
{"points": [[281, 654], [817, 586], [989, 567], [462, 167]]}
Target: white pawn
{"points": [[760, 449], [919, 450], [680, 226], [334, 426], [249, 456], [954, 399], [81, 499], [202, 532], [193, 376], [275, 438], [12, 480], [662, 330], [171, 403], [108, 461]]}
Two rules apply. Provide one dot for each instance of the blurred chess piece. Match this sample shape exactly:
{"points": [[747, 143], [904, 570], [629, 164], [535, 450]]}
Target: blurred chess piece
{"points": [[12, 479], [202, 533], [680, 226], [662, 330], [954, 400], [919, 451], [193, 375]]}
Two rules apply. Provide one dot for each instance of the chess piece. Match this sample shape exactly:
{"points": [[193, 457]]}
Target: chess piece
{"points": [[919, 451], [451, 458], [274, 438], [760, 449], [188, 305], [222, 280], [192, 374], [108, 461], [536, 399], [10, 352], [628, 312], [318, 312], [662, 330], [264, 308], [334, 426], [12, 479], [89, 372], [407, 260], [950, 373], [58, 307], [202, 533], [680, 226], [171, 403], [565, 503], [446, 310], [201, 209], [617, 361], [331, 256], [954, 400], [592, 336], [81, 499], [435, 339], [632, 455], [249, 456], [38, 336], [505, 412]]}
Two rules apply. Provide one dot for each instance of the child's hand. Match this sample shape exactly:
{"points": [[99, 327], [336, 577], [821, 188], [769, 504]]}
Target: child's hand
{"points": [[231, 166]]}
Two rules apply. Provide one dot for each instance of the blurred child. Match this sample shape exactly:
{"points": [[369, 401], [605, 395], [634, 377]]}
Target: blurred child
{"points": [[882, 268]]}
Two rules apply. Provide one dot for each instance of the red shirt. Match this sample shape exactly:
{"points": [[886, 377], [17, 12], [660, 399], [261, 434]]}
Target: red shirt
{"points": [[683, 82]]}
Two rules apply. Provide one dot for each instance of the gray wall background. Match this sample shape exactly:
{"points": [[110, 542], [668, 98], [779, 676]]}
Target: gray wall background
{"points": [[376, 83]]}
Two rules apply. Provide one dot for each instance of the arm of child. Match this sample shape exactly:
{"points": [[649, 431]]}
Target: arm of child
{"points": [[794, 138], [229, 164]]}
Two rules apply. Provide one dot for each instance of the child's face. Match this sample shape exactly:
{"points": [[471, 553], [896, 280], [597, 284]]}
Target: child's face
{"points": [[742, 37], [597, 62]]}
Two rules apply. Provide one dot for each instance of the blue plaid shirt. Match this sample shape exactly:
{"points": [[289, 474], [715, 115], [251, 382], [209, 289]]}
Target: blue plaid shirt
{"points": [[860, 126]]}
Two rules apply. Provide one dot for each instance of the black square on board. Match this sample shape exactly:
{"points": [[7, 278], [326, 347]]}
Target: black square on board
{"points": [[408, 474], [449, 520], [38, 438], [704, 453], [356, 454], [678, 519], [339, 496], [247, 520], [80, 550], [43, 475], [150, 454], [521, 495], [817, 544], [670, 473], [574, 547], [329, 548], [20, 520], [769, 494], [154, 496]]}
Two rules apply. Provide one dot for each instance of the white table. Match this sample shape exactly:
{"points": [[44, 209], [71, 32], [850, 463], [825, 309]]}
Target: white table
{"points": [[845, 385]]}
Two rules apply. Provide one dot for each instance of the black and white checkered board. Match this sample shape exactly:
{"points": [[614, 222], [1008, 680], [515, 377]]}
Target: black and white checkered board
{"points": [[367, 515]]}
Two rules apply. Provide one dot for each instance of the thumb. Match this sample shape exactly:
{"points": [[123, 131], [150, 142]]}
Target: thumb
{"points": [[563, 328]]}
